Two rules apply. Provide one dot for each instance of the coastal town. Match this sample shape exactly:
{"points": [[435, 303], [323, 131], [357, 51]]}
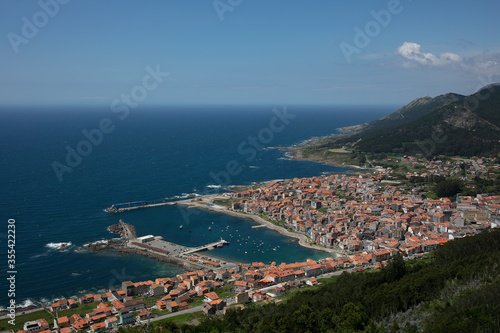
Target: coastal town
{"points": [[361, 220]]}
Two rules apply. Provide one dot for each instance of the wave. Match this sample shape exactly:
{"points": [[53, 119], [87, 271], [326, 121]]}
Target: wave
{"points": [[24, 304], [214, 186], [102, 241], [58, 246], [253, 167], [185, 196]]}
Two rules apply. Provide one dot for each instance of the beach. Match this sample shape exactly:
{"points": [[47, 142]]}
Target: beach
{"points": [[209, 202]]}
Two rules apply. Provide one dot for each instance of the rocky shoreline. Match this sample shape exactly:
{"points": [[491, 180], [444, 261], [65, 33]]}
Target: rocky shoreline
{"points": [[295, 153]]}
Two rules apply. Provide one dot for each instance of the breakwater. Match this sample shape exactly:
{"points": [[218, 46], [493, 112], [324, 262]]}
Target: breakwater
{"points": [[154, 247]]}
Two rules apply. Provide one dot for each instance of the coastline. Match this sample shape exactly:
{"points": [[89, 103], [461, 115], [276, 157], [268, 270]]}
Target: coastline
{"points": [[295, 154], [207, 202]]}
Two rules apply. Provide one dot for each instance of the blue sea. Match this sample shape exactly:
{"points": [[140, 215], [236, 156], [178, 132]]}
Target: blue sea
{"points": [[153, 153]]}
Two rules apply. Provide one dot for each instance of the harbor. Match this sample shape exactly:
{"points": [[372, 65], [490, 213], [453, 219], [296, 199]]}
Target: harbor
{"points": [[155, 247]]}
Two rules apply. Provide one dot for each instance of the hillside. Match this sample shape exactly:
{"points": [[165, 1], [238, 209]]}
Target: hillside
{"points": [[414, 110], [449, 124], [457, 290]]}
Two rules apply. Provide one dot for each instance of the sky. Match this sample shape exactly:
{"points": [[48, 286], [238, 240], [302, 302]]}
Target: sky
{"points": [[183, 52]]}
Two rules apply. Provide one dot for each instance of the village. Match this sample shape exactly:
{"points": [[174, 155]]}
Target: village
{"points": [[368, 217]]}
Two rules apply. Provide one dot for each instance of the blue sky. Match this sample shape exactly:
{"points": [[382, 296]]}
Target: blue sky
{"points": [[246, 51]]}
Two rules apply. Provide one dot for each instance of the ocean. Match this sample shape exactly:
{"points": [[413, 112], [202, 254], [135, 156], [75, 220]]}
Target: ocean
{"points": [[56, 196]]}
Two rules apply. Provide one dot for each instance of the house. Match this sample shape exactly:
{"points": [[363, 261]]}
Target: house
{"points": [[36, 326], [72, 304], [129, 288], [64, 303], [111, 322], [258, 297], [143, 315], [157, 290], [89, 298], [134, 305], [183, 306], [172, 306], [56, 306], [115, 296], [277, 291], [126, 317], [219, 304], [117, 305], [312, 282], [312, 270], [208, 308], [210, 297], [102, 311], [240, 286], [161, 305], [65, 330], [380, 256], [77, 322], [99, 327], [242, 297], [212, 307], [222, 275], [63, 322]]}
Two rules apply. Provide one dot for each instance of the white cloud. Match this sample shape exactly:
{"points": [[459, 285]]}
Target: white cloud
{"points": [[484, 64], [411, 51]]}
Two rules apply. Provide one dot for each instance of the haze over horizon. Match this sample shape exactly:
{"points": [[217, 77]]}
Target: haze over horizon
{"points": [[62, 52]]}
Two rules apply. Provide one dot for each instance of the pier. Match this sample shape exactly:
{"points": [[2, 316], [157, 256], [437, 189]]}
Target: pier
{"points": [[210, 246], [123, 207], [157, 248]]}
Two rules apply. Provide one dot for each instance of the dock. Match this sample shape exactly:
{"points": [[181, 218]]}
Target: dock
{"points": [[207, 247], [123, 207], [160, 249]]}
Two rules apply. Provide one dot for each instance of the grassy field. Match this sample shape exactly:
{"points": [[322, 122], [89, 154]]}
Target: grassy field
{"points": [[182, 319]]}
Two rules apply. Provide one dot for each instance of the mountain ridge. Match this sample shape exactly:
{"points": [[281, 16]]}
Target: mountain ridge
{"points": [[453, 124]]}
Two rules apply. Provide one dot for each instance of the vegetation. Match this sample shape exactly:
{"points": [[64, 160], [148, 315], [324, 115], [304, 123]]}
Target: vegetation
{"points": [[455, 290], [446, 125]]}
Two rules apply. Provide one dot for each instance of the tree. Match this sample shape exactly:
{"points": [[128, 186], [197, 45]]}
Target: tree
{"points": [[352, 318], [395, 269], [448, 187]]}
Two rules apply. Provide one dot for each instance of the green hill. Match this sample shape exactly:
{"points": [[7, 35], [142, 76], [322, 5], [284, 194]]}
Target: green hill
{"points": [[449, 124], [412, 111]]}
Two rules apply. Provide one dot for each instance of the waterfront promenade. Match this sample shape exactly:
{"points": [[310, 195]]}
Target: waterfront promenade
{"points": [[209, 202]]}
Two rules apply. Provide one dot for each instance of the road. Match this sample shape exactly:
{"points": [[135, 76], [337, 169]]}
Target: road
{"points": [[173, 314], [126, 232]]}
